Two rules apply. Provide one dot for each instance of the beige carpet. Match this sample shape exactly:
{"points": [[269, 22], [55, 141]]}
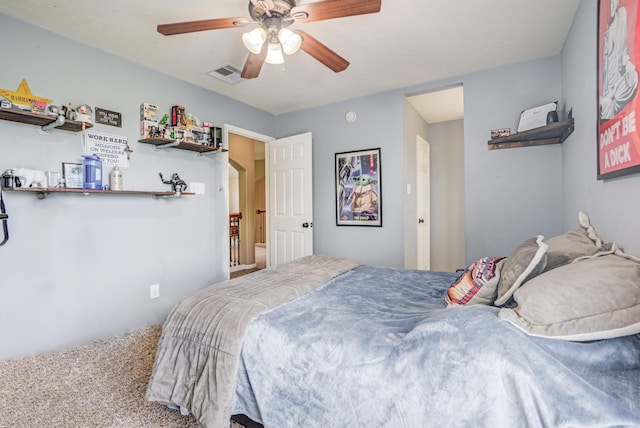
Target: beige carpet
{"points": [[261, 256], [94, 386], [261, 262]]}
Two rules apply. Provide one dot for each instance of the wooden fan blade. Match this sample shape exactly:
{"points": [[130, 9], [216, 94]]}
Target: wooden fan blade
{"points": [[322, 53], [203, 25], [329, 9], [254, 62]]}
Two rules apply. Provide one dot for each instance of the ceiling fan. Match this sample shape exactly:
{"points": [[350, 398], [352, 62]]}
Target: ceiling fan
{"points": [[271, 37]]}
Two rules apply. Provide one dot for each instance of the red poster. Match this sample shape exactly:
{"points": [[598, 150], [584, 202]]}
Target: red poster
{"points": [[618, 62]]}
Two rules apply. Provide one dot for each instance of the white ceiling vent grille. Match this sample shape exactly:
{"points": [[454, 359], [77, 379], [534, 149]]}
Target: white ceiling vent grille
{"points": [[227, 73]]}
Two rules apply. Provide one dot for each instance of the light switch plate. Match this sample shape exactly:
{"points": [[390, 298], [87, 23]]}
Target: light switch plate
{"points": [[197, 188], [154, 291]]}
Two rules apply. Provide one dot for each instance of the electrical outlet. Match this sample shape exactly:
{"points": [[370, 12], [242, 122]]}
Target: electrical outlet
{"points": [[154, 291]]}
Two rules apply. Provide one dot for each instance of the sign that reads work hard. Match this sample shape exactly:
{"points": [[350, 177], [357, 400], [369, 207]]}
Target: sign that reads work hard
{"points": [[110, 148]]}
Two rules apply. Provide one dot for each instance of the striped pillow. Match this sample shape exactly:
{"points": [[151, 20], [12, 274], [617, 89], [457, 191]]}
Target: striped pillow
{"points": [[478, 284]]}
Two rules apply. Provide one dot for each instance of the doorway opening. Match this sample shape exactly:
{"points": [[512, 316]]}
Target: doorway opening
{"points": [[434, 203], [248, 233]]}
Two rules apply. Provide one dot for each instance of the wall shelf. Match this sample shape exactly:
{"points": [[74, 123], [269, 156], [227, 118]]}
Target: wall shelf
{"points": [[163, 143], [41, 193], [554, 133], [23, 116]]}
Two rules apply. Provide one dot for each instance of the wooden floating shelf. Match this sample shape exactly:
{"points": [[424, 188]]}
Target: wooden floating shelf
{"points": [[23, 116], [554, 133], [42, 192], [161, 143]]}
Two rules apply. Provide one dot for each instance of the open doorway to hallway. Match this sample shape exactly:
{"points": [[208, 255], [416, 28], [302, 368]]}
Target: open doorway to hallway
{"points": [[247, 205], [435, 191]]}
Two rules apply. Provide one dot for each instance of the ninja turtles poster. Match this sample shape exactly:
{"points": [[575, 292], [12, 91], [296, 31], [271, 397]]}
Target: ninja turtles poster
{"points": [[358, 196]]}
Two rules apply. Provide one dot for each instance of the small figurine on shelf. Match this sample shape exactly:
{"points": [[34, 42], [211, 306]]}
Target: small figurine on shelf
{"points": [[177, 184], [52, 110], [68, 112], [154, 132], [168, 131], [83, 113], [30, 177]]}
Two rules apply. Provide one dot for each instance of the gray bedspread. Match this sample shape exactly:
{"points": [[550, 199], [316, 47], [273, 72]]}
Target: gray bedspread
{"points": [[375, 347], [198, 353]]}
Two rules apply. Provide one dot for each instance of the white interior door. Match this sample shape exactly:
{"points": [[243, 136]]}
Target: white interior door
{"points": [[423, 204], [290, 212]]}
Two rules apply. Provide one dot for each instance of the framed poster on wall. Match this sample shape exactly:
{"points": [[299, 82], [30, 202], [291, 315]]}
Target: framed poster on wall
{"points": [[618, 60], [358, 188]]}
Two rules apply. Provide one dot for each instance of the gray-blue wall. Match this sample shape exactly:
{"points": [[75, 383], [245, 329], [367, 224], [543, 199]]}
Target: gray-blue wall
{"points": [[446, 142], [510, 194], [379, 124], [612, 205], [78, 268]]}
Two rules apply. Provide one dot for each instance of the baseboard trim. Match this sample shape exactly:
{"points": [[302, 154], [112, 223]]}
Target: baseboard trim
{"points": [[241, 267]]}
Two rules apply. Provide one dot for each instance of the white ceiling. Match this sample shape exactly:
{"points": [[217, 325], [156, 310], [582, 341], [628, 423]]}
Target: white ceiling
{"points": [[408, 43], [439, 106]]}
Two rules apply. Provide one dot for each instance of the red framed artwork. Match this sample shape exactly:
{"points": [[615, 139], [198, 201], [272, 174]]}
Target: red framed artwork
{"points": [[618, 103]]}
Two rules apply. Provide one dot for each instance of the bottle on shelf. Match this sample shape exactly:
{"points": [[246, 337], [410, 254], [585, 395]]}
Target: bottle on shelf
{"points": [[115, 181], [91, 172]]}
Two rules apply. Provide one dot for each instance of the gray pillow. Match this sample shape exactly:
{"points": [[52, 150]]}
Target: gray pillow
{"points": [[524, 263], [578, 243], [590, 299]]}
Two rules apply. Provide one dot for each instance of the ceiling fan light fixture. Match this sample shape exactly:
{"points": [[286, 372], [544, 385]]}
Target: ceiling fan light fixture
{"points": [[274, 54], [289, 40], [254, 39], [269, 43]]}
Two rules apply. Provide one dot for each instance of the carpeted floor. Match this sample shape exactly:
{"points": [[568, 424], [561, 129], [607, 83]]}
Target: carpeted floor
{"points": [[94, 386], [261, 261]]}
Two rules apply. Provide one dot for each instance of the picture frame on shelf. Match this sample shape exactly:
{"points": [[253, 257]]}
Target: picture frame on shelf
{"points": [[72, 174], [618, 59], [358, 188]]}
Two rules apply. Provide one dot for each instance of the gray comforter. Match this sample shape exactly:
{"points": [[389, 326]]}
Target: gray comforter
{"points": [[375, 347], [197, 357]]}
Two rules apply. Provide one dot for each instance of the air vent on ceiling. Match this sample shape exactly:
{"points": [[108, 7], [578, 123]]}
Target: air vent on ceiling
{"points": [[227, 73]]}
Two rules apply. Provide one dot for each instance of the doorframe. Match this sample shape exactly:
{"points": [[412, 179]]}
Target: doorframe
{"points": [[231, 129]]}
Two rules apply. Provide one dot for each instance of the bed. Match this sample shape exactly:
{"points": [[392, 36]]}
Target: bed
{"points": [[548, 336]]}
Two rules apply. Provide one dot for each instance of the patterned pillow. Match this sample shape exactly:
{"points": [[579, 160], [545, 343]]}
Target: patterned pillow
{"points": [[478, 284]]}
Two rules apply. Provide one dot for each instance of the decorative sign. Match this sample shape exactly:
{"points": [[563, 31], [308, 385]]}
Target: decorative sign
{"points": [[107, 117], [22, 97], [112, 149], [618, 81]]}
